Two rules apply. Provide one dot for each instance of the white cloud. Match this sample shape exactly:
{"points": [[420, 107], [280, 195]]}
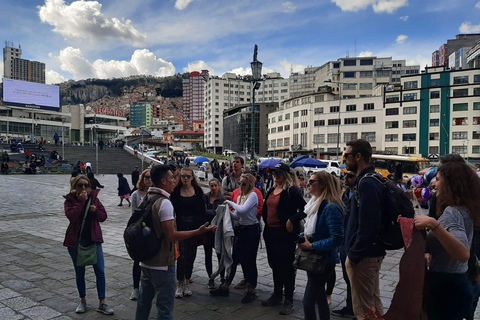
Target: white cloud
{"points": [[288, 7], [401, 39], [182, 4], [477, 5], [468, 27], [141, 62], [198, 66], [379, 6], [365, 54], [289, 67], [404, 18], [85, 20], [53, 77]]}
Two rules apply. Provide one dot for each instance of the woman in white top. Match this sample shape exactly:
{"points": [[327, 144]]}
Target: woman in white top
{"points": [[247, 239], [143, 184]]}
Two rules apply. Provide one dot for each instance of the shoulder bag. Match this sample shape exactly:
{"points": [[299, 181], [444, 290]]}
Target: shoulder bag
{"points": [[86, 256], [309, 261]]}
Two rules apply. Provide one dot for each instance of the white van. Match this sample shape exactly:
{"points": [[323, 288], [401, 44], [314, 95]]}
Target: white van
{"points": [[333, 167]]}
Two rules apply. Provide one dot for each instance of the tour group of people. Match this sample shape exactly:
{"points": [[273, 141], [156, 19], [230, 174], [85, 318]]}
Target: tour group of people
{"points": [[343, 227]]}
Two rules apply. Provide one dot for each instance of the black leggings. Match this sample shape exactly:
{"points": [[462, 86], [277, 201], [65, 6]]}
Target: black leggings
{"points": [[188, 252], [245, 252]]}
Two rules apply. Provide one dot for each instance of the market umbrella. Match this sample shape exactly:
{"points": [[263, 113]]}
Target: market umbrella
{"points": [[308, 162], [269, 163], [201, 160], [297, 159]]}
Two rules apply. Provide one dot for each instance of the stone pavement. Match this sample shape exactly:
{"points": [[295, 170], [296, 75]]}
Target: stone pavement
{"points": [[37, 279]]}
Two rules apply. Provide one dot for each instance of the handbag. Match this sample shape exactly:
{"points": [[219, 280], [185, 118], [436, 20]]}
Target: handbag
{"points": [[309, 261], [86, 256]]}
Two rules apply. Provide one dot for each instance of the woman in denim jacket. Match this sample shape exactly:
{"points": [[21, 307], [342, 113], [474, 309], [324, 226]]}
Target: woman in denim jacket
{"points": [[323, 233]]}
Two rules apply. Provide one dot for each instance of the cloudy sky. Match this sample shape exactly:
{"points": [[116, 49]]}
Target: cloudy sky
{"points": [[107, 38]]}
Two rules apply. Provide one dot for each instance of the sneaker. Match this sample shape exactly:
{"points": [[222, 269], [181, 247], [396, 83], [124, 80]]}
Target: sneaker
{"points": [[241, 285], [82, 307], [249, 296], [179, 291], [220, 292], [134, 295], [186, 290], [272, 301], [344, 312], [211, 284], [105, 309], [287, 307]]}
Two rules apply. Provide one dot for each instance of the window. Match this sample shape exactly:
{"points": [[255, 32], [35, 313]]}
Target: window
{"points": [[286, 127], [274, 130], [460, 121], [434, 94], [333, 122], [349, 86], [349, 74], [351, 107], [410, 110], [409, 137], [304, 124], [369, 136], [295, 114], [391, 137], [280, 129], [434, 108], [459, 149], [409, 123], [350, 136], [317, 110], [368, 119], [476, 120], [433, 150], [366, 74], [295, 125], [391, 125], [434, 82], [286, 141], [476, 106], [287, 116], [318, 138], [347, 63], [366, 86], [475, 149], [476, 78], [460, 79], [319, 98], [410, 85], [434, 122], [460, 93], [476, 135], [304, 112], [383, 73], [392, 99], [350, 121], [476, 91], [366, 62], [273, 143], [391, 112], [434, 136], [280, 118], [335, 109], [280, 142], [409, 96], [392, 150], [368, 106], [318, 123], [460, 107], [332, 138]]}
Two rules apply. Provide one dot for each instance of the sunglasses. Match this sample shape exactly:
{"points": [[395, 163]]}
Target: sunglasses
{"points": [[310, 182], [243, 184], [147, 177], [83, 185], [186, 177]]}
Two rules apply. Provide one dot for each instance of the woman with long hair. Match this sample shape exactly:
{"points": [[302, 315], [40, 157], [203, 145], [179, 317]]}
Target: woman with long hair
{"points": [[323, 233], [189, 204], [137, 196], [449, 238], [283, 202], [213, 199], [247, 237], [75, 206], [95, 184]]}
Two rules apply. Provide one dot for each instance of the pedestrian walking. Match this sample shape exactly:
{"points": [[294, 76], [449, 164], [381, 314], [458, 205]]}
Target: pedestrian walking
{"points": [[123, 189], [94, 183], [135, 178]]}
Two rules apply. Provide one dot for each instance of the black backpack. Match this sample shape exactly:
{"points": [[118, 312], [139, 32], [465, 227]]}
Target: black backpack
{"points": [[142, 247], [396, 204]]}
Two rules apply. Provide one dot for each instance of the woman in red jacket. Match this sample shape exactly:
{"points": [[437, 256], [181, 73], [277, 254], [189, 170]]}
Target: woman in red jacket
{"points": [[75, 207]]}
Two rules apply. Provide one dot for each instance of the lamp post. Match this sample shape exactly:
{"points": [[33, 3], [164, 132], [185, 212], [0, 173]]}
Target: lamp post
{"points": [[95, 127], [256, 75], [63, 141]]}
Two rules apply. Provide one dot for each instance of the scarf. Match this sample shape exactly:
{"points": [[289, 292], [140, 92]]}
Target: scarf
{"points": [[311, 210]]}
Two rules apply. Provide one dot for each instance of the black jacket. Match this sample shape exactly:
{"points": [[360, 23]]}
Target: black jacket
{"points": [[189, 218]]}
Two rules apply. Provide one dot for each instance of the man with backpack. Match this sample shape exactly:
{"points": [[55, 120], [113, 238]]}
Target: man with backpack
{"points": [[158, 273], [365, 251]]}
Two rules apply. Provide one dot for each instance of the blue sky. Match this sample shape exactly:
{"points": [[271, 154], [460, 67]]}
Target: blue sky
{"points": [[106, 38]]}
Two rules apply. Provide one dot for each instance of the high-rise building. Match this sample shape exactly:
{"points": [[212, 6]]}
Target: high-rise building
{"points": [[141, 115], [473, 56], [14, 67], [452, 46], [193, 91]]}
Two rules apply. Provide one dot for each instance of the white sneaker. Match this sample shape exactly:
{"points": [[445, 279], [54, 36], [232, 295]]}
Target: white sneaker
{"points": [[179, 291], [134, 295], [186, 290]]}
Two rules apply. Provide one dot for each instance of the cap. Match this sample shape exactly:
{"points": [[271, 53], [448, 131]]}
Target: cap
{"points": [[136, 166], [281, 167]]}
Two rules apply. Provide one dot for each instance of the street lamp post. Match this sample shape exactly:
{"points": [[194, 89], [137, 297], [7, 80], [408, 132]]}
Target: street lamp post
{"points": [[256, 75], [63, 141]]}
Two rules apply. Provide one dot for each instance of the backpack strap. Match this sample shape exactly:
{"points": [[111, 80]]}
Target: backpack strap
{"points": [[376, 176]]}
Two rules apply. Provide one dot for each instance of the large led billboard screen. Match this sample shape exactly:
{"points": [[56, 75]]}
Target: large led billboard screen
{"points": [[31, 94]]}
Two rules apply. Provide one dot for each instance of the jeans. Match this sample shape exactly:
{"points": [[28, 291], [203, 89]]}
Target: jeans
{"points": [[161, 283], [99, 269], [315, 294], [245, 252]]}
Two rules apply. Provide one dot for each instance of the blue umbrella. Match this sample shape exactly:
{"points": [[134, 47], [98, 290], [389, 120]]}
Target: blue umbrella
{"points": [[269, 163], [297, 159], [201, 160], [308, 162]]}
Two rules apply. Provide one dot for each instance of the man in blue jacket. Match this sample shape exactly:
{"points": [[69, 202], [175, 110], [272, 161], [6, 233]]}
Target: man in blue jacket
{"points": [[365, 251]]}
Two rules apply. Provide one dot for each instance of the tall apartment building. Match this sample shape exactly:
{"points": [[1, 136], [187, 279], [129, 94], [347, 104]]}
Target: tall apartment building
{"points": [[352, 77], [453, 45], [14, 67], [230, 90], [193, 91], [473, 56], [141, 115]]}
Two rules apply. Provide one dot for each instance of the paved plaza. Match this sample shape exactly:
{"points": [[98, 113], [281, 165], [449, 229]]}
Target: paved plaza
{"points": [[37, 279]]}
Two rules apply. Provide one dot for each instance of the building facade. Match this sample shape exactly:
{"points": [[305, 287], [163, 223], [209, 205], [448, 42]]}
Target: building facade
{"points": [[193, 93], [14, 67], [453, 45], [141, 115]]}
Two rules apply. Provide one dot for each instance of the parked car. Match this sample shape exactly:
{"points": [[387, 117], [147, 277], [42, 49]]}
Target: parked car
{"points": [[332, 168]]}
